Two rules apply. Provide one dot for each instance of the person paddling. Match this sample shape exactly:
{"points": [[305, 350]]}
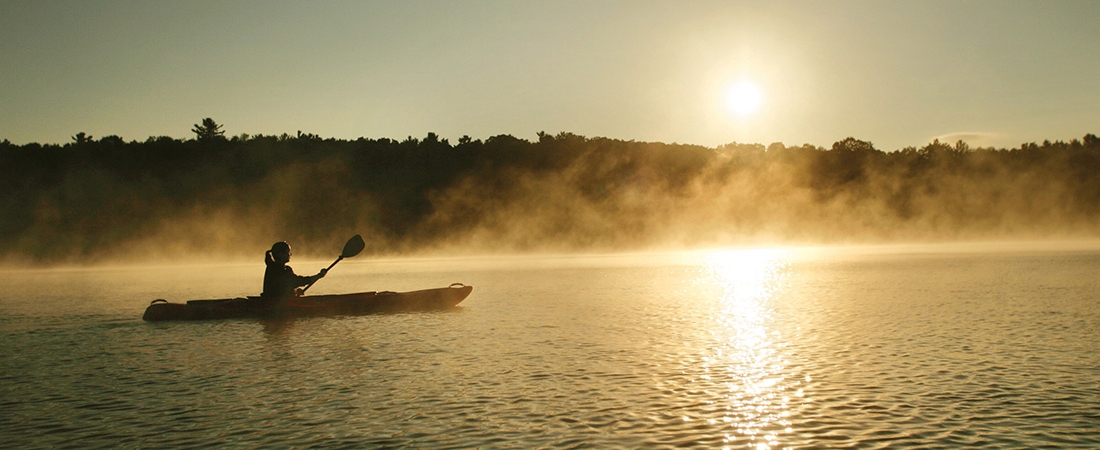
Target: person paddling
{"points": [[279, 279]]}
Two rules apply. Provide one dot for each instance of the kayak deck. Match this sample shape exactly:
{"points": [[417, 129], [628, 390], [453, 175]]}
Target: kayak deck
{"points": [[310, 305]]}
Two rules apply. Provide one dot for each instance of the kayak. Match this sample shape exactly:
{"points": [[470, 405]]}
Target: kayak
{"points": [[309, 305]]}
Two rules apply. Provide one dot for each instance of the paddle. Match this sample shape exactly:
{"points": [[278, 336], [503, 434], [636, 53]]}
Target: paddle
{"points": [[352, 248]]}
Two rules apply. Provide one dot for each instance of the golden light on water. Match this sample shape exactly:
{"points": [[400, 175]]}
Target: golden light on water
{"points": [[746, 358]]}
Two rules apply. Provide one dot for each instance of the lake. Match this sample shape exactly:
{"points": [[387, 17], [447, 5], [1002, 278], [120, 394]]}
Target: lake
{"points": [[847, 347]]}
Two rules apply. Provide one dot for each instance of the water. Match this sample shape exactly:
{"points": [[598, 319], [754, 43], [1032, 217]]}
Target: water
{"points": [[757, 349]]}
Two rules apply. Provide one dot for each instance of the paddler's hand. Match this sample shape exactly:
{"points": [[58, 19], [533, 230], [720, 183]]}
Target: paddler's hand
{"points": [[322, 273]]}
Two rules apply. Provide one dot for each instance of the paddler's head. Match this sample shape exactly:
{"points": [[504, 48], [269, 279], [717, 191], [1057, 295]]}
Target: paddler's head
{"points": [[280, 251]]}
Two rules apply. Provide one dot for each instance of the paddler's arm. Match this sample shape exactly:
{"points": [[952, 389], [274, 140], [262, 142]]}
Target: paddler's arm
{"points": [[302, 281]]}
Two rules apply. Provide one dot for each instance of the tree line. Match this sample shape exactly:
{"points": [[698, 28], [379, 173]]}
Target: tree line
{"points": [[93, 199]]}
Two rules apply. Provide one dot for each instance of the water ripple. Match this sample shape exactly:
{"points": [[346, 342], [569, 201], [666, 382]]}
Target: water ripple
{"points": [[743, 349]]}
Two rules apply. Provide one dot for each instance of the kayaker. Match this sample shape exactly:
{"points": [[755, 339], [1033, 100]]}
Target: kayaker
{"points": [[279, 279]]}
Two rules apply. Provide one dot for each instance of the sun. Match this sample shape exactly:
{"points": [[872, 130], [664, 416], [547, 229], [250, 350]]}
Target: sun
{"points": [[744, 98]]}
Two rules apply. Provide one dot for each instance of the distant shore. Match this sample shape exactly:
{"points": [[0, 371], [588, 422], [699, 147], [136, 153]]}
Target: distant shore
{"points": [[98, 199]]}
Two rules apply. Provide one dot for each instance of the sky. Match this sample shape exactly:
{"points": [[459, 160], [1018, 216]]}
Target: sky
{"points": [[896, 73]]}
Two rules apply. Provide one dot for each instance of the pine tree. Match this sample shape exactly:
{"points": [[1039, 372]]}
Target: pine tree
{"points": [[208, 131]]}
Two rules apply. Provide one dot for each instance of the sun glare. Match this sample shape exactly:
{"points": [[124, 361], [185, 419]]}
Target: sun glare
{"points": [[744, 98], [749, 354]]}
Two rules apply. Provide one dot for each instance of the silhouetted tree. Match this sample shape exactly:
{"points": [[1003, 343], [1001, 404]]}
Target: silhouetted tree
{"points": [[854, 145], [208, 130], [82, 138], [1092, 141]]}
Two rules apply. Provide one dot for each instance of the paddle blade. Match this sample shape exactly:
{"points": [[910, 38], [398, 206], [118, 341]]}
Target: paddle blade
{"points": [[353, 247]]}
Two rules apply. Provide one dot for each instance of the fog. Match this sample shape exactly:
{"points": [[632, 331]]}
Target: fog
{"points": [[108, 200], [623, 195]]}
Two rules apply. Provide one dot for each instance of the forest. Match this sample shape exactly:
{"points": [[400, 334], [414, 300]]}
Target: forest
{"points": [[93, 200]]}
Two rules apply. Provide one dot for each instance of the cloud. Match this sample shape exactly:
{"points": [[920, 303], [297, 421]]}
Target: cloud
{"points": [[972, 138]]}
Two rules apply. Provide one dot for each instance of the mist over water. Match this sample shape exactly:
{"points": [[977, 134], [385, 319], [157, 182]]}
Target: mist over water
{"points": [[111, 200]]}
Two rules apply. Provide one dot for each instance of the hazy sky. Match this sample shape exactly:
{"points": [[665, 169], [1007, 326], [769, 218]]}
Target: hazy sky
{"points": [[895, 73]]}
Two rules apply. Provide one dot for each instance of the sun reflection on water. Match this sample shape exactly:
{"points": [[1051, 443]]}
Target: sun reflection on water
{"points": [[746, 361]]}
